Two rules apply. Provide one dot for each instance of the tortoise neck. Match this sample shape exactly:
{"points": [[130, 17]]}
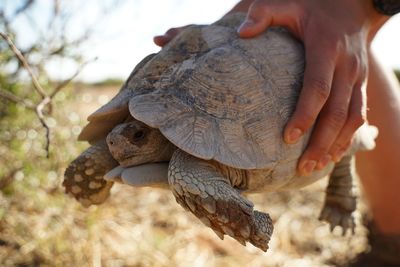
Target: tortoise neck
{"points": [[166, 153]]}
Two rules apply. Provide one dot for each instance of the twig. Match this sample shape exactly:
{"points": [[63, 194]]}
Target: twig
{"points": [[24, 62], [67, 81], [46, 99], [39, 113], [16, 99]]}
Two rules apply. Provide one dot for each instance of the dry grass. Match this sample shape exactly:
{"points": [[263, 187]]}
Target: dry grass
{"points": [[39, 225]]}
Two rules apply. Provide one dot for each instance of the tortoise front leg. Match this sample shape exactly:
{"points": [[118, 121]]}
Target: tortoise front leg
{"points": [[340, 201], [201, 189], [83, 179]]}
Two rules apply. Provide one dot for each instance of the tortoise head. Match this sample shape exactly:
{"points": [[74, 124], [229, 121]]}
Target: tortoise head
{"points": [[134, 143]]}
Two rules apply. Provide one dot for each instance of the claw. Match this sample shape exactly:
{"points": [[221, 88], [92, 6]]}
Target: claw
{"points": [[340, 200], [219, 234], [241, 241], [337, 217], [84, 176], [218, 205]]}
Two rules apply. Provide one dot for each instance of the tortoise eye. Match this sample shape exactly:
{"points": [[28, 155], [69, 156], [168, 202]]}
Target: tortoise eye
{"points": [[139, 135]]}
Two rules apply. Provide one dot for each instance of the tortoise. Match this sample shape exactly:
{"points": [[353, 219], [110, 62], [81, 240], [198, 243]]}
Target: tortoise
{"points": [[204, 117]]}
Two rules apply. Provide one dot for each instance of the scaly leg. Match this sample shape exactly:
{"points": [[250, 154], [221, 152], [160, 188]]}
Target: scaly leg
{"points": [[83, 179], [340, 200], [201, 189]]}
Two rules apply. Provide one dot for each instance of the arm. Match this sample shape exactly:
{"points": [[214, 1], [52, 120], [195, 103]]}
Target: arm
{"points": [[379, 169]]}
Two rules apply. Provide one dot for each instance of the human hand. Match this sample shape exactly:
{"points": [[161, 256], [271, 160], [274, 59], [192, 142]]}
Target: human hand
{"points": [[162, 40], [336, 36]]}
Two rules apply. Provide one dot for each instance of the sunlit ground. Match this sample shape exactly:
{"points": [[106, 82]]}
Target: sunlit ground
{"points": [[40, 225]]}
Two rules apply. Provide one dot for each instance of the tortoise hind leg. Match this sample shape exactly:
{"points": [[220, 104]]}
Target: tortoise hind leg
{"points": [[83, 179], [340, 201], [201, 189]]}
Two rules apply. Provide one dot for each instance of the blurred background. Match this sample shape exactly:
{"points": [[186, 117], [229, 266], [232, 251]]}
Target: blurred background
{"points": [[81, 52]]}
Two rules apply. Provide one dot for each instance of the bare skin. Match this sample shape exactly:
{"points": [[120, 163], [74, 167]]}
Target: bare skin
{"points": [[379, 169], [334, 99]]}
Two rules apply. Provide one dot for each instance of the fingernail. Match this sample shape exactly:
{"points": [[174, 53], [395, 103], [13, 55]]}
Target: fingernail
{"points": [[247, 23], [308, 167], [294, 135], [339, 155], [324, 161], [159, 40]]}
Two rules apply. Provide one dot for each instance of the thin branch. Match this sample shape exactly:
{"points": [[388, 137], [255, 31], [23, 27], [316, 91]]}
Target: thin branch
{"points": [[16, 99], [45, 99], [39, 113], [24, 62], [67, 81]]}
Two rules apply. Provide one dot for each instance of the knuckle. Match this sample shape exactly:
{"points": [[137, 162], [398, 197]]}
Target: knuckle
{"points": [[337, 116], [357, 120], [304, 119], [353, 63], [332, 48], [321, 88], [335, 147], [316, 151]]}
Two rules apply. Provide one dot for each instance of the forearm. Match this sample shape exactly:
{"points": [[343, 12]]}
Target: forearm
{"points": [[379, 169], [378, 21]]}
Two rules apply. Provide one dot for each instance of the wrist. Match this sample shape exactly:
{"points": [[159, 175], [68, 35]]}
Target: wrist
{"points": [[375, 19]]}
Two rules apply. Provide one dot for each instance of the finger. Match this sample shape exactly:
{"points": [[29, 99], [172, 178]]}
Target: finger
{"points": [[330, 122], [318, 75], [263, 13], [356, 118], [162, 40]]}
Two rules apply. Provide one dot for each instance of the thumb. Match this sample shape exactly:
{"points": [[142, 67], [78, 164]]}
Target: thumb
{"points": [[265, 13]]}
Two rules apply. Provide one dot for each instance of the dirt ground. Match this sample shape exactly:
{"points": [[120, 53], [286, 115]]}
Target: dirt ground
{"points": [[146, 227]]}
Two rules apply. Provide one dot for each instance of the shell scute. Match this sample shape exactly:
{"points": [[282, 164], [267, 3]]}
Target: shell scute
{"points": [[228, 102]]}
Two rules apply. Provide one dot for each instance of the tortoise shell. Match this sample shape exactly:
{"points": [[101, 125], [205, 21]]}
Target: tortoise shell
{"points": [[215, 95]]}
